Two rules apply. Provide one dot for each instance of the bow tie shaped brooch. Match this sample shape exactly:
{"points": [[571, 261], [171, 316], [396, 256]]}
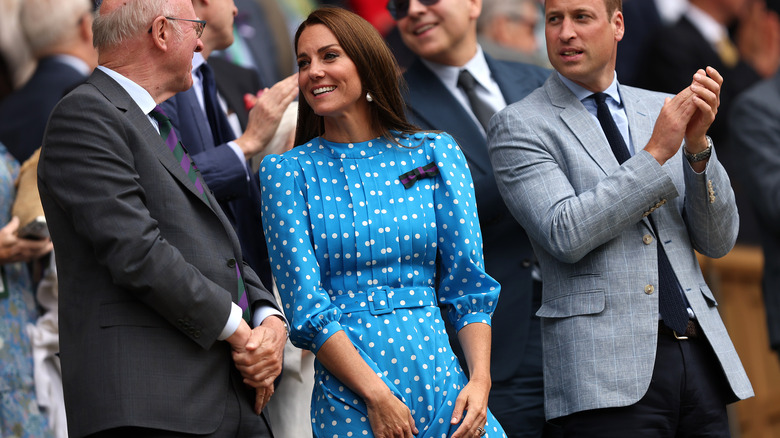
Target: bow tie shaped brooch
{"points": [[428, 171]]}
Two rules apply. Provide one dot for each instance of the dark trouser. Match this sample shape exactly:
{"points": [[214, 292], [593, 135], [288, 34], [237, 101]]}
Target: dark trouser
{"points": [[240, 421], [518, 403], [687, 398]]}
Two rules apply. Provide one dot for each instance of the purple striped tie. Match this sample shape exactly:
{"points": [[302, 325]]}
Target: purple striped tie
{"points": [[168, 134]]}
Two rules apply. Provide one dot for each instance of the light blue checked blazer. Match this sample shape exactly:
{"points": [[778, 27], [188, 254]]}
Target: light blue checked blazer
{"points": [[586, 217]]}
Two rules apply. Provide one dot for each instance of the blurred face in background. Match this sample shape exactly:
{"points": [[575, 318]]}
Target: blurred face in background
{"points": [[443, 32]]}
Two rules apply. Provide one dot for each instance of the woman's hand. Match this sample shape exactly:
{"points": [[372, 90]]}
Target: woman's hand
{"points": [[473, 399], [390, 417], [15, 249]]}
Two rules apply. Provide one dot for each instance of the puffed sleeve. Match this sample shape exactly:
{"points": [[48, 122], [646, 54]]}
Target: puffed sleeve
{"points": [[468, 291], [296, 271]]}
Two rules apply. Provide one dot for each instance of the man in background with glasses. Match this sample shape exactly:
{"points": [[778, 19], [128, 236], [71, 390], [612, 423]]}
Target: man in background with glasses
{"points": [[151, 276], [443, 35]]}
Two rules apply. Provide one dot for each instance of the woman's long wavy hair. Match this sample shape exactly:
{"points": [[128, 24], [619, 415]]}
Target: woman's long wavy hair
{"points": [[378, 70]]}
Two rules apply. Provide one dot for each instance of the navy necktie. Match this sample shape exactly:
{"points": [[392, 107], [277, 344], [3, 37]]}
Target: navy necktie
{"points": [[670, 301], [220, 128], [479, 107]]}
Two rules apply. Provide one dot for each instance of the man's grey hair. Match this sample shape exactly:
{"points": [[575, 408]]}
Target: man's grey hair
{"points": [[47, 23], [123, 23], [496, 8]]}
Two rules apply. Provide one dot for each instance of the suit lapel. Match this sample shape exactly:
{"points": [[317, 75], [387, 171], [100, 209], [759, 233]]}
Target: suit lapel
{"points": [[513, 86], [436, 107], [581, 124], [119, 98]]}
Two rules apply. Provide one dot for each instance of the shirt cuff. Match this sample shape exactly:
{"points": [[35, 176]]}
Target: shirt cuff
{"points": [[240, 155], [232, 323], [263, 312]]}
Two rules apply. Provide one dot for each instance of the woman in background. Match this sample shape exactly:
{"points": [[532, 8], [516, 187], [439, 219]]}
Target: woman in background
{"points": [[370, 226], [19, 413]]}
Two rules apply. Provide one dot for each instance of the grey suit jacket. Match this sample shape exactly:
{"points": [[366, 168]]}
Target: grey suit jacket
{"points": [[147, 270], [586, 217], [755, 132]]}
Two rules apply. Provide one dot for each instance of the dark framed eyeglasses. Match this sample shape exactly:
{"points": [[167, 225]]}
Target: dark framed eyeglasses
{"points": [[198, 25], [399, 9]]}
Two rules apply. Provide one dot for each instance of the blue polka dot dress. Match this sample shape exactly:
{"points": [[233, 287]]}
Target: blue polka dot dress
{"points": [[354, 249]]}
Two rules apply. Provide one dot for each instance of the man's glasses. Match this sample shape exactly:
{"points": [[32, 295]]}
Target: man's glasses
{"points": [[399, 9], [198, 25]]}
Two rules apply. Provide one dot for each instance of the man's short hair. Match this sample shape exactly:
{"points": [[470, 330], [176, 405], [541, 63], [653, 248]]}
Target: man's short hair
{"points": [[47, 23], [124, 22], [613, 5]]}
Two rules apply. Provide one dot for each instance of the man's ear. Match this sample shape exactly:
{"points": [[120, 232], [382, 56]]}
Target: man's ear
{"points": [[161, 32], [620, 26]]}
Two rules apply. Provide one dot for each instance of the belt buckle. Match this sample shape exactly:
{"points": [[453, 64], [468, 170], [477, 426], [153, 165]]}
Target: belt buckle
{"points": [[379, 302], [678, 337]]}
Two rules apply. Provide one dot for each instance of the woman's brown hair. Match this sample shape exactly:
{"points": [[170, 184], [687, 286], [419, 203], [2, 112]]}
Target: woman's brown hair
{"points": [[378, 70]]}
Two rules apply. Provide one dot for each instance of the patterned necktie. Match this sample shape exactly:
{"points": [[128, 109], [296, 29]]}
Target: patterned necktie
{"points": [[218, 122], [670, 301], [728, 52], [168, 135], [479, 107]]}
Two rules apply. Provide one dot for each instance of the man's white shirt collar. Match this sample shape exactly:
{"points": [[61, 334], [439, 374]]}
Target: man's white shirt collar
{"points": [[140, 96]]}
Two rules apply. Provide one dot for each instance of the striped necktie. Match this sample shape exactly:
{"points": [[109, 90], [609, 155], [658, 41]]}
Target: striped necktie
{"points": [[172, 141], [169, 136]]}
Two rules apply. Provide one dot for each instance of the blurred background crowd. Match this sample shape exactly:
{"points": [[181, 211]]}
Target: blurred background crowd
{"points": [[47, 50]]}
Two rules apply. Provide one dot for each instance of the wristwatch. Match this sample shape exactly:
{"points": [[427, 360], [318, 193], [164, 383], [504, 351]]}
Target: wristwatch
{"points": [[699, 156]]}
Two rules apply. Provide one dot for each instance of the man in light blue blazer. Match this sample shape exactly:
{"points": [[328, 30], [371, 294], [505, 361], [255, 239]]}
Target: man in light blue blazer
{"points": [[604, 233], [435, 102]]}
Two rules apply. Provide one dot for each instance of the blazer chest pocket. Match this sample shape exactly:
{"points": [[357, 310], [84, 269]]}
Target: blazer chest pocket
{"points": [[587, 302]]}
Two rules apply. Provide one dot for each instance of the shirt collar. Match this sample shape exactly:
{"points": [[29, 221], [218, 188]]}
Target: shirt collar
{"points": [[140, 96], [448, 74], [197, 61], [711, 30], [582, 93]]}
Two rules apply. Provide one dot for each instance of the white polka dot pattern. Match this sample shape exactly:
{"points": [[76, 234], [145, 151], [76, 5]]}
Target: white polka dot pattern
{"points": [[338, 221]]}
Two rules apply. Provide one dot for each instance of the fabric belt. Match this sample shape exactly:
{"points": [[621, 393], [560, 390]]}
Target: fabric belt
{"points": [[692, 330], [384, 299]]}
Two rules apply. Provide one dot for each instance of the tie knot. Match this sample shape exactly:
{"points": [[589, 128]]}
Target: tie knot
{"points": [[158, 114], [600, 98], [466, 80]]}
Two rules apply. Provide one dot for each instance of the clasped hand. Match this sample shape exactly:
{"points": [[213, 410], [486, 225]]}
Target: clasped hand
{"points": [[688, 115], [258, 354]]}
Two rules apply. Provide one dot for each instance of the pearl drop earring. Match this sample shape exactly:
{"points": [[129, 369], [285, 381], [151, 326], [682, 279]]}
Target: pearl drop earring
{"points": [[369, 98]]}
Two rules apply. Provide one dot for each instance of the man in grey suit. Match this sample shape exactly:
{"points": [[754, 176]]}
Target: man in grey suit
{"points": [[443, 36], [152, 284], [616, 241], [755, 132]]}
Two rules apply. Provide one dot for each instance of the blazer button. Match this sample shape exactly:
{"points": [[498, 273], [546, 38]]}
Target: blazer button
{"points": [[647, 239], [649, 289], [231, 263]]}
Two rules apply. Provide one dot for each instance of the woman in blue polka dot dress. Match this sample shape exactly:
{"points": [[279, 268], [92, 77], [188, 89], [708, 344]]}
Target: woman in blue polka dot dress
{"points": [[371, 226]]}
